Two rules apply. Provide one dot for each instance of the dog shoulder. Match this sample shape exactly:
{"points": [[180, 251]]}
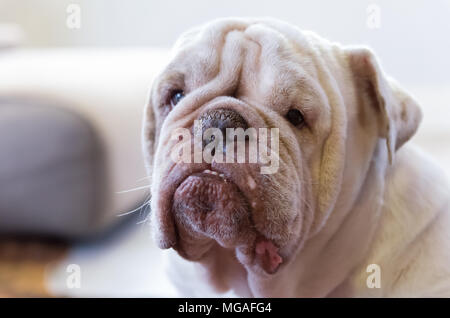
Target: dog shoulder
{"points": [[411, 247], [416, 186], [416, 223]]}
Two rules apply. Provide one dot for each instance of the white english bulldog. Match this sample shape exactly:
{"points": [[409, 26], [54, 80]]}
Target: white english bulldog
{"points": [[352, 210]]}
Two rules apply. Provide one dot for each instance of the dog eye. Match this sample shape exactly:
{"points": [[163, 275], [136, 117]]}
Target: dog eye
{"points": [[176, 96], [295, 117]]}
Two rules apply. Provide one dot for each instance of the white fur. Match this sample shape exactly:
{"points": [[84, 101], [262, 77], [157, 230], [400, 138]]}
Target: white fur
{"points": [[364, 197]]}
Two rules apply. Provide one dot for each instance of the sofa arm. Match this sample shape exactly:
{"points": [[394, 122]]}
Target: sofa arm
{"points": [[52, 179]]}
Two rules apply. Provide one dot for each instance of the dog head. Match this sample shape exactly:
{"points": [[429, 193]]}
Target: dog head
{"points": [[324, 109]]}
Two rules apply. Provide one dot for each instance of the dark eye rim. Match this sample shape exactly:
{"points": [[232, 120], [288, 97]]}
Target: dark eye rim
{"points": [[295, 117]]}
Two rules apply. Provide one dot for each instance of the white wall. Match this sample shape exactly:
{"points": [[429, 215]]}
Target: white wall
{"points": [[413, 40]]}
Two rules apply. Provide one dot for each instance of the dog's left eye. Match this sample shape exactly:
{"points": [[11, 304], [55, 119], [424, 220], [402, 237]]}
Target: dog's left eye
{"points": [[295, 117], [176, 96]]}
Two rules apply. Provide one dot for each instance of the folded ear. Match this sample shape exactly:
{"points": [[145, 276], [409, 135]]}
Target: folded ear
{"points": [[148, 136], [399, 113]]}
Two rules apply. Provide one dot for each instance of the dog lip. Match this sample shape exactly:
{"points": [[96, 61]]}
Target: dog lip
{"points": [[167, 191], [180, 176], [209, 204], [207, 172]]}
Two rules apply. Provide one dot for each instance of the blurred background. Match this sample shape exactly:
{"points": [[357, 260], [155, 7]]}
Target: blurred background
{"points": [[74, 78]]}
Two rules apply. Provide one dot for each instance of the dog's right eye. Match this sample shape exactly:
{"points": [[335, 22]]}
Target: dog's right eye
{"points": [[295, 117], [176, 96]]}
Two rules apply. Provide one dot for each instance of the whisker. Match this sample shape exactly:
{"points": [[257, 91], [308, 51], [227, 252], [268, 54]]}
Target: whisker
{"points": [[144, 178], [143, 221], [146, 202], [134, 189]]}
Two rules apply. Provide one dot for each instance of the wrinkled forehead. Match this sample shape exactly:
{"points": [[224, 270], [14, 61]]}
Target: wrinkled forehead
{"points": [[253, 52]]}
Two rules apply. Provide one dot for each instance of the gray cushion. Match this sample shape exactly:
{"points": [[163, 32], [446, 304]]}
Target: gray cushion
{"points": [[51, 172]]}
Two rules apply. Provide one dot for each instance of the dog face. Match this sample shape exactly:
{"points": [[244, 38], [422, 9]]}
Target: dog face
{"points": [[334, 111]]}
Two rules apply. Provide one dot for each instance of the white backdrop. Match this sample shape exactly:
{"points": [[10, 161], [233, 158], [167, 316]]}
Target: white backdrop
{"points": [[412, 38]]}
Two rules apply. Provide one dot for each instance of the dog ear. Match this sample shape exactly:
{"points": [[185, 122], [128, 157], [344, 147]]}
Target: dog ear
{"points": [[400, 114], [149, 136]]}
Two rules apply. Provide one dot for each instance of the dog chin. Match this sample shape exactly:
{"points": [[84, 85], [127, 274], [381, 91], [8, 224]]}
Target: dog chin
{"points": [[212, 206]]}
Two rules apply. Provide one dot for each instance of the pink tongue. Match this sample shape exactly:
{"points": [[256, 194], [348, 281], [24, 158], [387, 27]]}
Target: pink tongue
{"points": [[268, 255]]}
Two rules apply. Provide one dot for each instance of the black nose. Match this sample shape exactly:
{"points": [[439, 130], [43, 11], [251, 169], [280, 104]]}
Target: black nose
{"points": [[222, 119]]}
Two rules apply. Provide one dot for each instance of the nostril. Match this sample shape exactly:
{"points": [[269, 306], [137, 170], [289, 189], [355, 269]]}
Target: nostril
{"points": [[210, 140], [222, 119]]}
